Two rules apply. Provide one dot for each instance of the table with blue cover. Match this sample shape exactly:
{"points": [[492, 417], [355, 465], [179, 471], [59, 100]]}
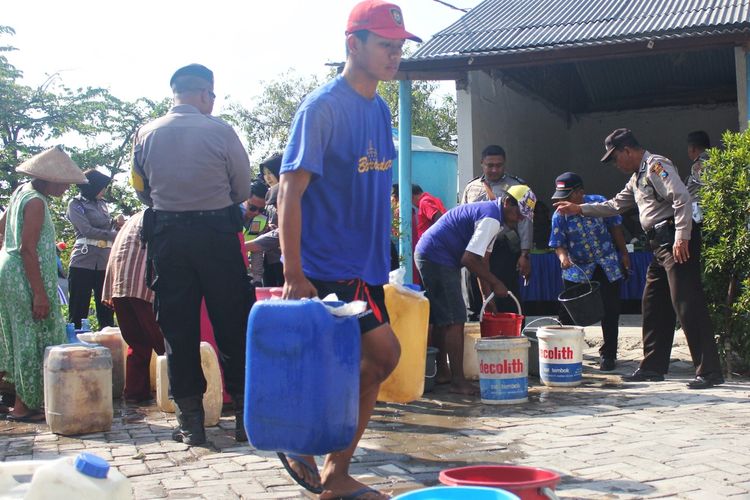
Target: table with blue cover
{"points": [[546, 282]]}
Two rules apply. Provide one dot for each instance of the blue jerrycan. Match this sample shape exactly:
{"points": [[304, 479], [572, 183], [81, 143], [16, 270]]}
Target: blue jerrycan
{"points": [[301, 377]]}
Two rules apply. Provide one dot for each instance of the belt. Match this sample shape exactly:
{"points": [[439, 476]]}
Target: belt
{"points": [[97, 243], [162, 215], [650, 233], [85, 242]]}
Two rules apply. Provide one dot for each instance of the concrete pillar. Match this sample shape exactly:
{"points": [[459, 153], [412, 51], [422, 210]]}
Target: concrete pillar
{"points": [[742, 68], [467, 98]]}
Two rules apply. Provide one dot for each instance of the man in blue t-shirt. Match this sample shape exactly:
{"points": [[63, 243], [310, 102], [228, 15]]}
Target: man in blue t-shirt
{"points": [[587, 249], [334, 214], [464, 236]]}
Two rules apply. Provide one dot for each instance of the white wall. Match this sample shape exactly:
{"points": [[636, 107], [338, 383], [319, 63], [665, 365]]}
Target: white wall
{"points": [[541, 144]]}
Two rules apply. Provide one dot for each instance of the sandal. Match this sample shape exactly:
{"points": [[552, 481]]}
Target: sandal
{"points": [[299, 479], [35, 417]]}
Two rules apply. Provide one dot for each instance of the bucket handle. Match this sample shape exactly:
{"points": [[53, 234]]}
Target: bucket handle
{"points": [[540, 319], [591, 287], [549, 493], [434, 373], [491, 296]]}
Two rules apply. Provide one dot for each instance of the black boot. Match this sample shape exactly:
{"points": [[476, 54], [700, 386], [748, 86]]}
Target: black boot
{"points": [[239, 418], [190, 416]]}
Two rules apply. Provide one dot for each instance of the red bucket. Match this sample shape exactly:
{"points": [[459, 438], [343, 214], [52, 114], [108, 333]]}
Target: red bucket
{"points": [[500, 324], [529, 483]]}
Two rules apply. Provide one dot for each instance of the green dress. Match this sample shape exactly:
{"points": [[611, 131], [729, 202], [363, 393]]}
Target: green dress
{"points": [[23, 339]]}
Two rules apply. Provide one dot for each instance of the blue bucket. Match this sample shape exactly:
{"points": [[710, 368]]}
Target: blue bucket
{"points": [[457, 493], [301, 377]]}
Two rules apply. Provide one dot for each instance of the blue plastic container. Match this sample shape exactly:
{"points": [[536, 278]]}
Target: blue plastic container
{"points": [[301, 377], [457, 493]]}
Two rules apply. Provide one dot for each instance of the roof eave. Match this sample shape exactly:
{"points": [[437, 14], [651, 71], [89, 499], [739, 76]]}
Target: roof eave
{"points": [[455, 66]]}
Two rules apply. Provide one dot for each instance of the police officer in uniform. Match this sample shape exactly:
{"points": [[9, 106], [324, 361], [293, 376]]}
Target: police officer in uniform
{"points": [[511, 252], [255, 223], [698, 142], [193, 171], [673, 281]]}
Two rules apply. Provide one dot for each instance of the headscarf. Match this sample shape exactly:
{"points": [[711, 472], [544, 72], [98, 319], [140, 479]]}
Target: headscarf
{"points": [[97, 182]]}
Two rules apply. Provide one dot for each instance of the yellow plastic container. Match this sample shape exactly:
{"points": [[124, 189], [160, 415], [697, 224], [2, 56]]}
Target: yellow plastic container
{"points": [[212, 398], [111, 338], [410, 316], [471, 361]]}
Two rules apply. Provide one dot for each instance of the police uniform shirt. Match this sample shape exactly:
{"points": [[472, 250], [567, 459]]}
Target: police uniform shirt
{"points": [[90, 219], [476, 191], [186, 161], [658, 192], [693, 181]]}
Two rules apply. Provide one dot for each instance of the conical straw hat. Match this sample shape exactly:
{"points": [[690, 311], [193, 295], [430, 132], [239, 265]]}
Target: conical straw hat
{"points": [[53, 165]]}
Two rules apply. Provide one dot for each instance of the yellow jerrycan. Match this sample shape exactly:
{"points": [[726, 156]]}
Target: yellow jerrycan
{"points": [[212, 398], [410, 316]]}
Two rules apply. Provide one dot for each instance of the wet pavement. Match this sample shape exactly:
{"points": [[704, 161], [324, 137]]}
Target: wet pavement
{"points": [[607, 439]]}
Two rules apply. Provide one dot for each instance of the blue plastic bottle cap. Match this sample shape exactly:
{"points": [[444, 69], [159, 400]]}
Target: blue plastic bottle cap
{"points": [[91, 465]]}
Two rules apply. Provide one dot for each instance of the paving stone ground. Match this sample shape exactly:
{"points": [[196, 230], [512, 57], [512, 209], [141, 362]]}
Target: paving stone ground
{"points": [[607, 439]]}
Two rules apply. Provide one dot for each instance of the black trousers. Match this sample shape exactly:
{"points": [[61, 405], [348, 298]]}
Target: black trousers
{"points": [[675, 291], [273, 274], [81, 282], [191, 261], [610, 293]]}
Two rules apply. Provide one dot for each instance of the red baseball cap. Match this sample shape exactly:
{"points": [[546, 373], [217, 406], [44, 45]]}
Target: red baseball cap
{"points": [[382, 18]]}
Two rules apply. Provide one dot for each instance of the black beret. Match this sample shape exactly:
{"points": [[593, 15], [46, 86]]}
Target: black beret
{"points": [[197, 70]]}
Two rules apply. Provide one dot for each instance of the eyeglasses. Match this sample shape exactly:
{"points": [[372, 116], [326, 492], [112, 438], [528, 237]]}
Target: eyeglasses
{"points": [[255, 208]]}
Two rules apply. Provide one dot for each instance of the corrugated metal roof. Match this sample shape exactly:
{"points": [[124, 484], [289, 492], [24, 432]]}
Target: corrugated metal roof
{"points": [[508, 26]]}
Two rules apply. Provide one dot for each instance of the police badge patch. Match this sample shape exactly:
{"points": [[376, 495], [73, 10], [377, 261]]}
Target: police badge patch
{"points": [[396, 15], [658, 169]]}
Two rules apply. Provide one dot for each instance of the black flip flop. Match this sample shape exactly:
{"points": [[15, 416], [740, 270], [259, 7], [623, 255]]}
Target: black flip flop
{"points": [[35, 417], [300, 480]]}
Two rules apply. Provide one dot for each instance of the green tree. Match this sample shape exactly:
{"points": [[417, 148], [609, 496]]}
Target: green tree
{"points": [[265, 126], [725, 199], [432, 116], [97, 127]]}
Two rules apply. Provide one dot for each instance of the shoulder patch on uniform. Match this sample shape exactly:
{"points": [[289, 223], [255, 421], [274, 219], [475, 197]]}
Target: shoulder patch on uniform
{"points": [[658, 169]]}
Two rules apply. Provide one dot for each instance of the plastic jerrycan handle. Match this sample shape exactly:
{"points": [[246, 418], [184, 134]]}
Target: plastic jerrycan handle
{"points": [[10, 469]]}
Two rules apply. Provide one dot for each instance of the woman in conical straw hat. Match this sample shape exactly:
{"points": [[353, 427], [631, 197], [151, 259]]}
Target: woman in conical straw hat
{"points": [[30, 314]]}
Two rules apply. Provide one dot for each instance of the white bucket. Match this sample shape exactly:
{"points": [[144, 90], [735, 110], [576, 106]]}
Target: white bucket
{"points": [[560, 355], [503, 369]]}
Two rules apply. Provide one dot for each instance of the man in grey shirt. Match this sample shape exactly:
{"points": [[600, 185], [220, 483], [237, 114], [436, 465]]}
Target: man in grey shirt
{"points": [[193, 171]]}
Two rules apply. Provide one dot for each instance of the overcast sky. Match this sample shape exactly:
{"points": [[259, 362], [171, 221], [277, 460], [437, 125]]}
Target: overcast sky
{"points": [[133, 47]]}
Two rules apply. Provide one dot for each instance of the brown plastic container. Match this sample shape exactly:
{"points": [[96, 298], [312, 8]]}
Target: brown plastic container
{"points": [[78, 389]]}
